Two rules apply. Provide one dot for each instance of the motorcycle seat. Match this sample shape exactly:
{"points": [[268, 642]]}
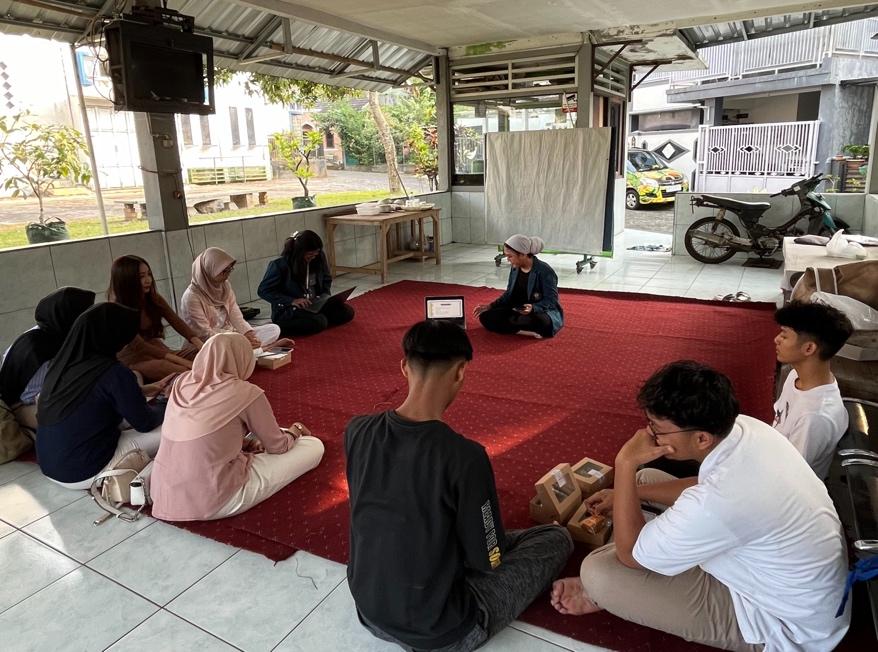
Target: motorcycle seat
{"points": [[734, 204]]}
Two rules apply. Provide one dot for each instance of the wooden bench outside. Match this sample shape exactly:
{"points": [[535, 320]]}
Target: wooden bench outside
{"points": [[129, 208]]}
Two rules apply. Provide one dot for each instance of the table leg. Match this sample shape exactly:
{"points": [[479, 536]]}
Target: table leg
{"points": [[382, 252], [437, 239], [330, 250], [422, 239]]}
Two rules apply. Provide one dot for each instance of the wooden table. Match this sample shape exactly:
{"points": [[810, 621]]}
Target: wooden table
{"points": [[387, 253]]}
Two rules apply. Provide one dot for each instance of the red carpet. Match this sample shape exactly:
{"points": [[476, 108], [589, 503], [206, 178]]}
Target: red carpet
{"points": [[531, 403]]}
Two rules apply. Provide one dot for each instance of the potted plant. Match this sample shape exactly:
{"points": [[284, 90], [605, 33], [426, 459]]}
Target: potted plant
{"points": [[857, 152], [296, 153], [35, 158]]}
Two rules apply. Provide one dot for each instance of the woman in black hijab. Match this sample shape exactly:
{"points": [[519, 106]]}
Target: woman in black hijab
{"points": [[87, 394], [24, 365]]}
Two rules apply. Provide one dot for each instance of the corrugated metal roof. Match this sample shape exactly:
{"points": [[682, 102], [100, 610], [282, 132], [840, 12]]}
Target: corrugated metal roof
{"points": [[716, 33], [234, 29]]}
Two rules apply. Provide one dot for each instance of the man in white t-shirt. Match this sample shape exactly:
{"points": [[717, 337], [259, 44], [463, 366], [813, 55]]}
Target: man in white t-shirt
{"points": [[750, 555], [809, 411]]}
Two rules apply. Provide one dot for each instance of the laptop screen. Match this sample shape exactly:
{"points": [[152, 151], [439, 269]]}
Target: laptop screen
{"points": [[444, 307]]}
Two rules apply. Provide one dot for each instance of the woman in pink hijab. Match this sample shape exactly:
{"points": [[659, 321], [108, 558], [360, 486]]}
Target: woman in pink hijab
{"points": [[209, 305], [222, 451]]}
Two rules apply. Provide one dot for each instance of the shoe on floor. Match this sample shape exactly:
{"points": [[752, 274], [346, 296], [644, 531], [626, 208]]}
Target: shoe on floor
{"points": [[536, 336]]}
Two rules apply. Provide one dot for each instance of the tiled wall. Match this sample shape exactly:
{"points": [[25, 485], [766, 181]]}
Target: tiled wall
{"points": [[849, 207], [29, 274]]}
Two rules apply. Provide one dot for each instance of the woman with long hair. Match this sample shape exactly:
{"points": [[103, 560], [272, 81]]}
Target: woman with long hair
{"points": [[87, 395], [210, 307], [132, 284], [295, 280], [222, 451], [26, 362], [530, 304]]}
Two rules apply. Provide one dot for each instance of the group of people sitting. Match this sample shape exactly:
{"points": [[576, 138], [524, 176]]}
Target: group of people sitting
{"points": [[749, 554], [95, 382]]}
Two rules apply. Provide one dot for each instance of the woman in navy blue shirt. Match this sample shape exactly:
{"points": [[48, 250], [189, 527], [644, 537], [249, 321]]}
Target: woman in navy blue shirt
{"points": [[293, 281], [87, 394], [530, 303]]}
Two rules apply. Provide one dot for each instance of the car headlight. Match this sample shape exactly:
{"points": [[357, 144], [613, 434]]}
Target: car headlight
{"points": [[649, 183]]}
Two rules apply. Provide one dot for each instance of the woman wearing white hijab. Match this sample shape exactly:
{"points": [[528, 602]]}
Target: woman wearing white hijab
{"points": [[530, 303], [209, 305], [207, 466]]}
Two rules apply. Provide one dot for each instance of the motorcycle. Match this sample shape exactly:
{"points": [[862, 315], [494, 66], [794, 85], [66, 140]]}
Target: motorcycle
{"points": [[716, 239]]}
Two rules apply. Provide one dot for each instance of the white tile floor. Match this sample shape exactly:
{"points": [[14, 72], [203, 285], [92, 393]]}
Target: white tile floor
{"points": [[149, 586]]}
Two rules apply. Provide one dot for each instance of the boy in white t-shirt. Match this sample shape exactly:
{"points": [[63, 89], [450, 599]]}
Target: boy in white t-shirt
{"points": [[809, 411], [748, 556]]}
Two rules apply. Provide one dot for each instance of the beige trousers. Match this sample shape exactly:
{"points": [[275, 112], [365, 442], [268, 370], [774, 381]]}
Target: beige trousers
{"points": [[271, 473], [693, 605]]}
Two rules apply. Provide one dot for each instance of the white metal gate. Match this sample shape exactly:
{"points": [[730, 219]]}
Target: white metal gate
{"points": [[753, 158]]}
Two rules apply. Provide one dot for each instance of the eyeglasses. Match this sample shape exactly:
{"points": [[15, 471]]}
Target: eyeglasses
{"points": [[652, 431], [229, 269]]}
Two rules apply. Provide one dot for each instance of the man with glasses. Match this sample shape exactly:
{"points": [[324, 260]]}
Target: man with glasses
{"points": [[748, 554]]}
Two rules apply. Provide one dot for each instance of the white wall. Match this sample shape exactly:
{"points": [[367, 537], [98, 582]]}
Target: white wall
{"points": [[762, 110]]}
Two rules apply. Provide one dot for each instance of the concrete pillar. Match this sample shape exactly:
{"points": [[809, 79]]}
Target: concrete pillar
{"points": [[162, 173], [584, 101], [444, 121], [872, 177], [714, 113], [845, 119]]}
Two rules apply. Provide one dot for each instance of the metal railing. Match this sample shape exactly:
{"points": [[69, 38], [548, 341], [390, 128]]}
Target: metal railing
{"points": [[791, 51], [778, 149]]}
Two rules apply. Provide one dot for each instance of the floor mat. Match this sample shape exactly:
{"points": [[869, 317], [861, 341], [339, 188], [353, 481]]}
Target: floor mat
{"points": [[531, 403]]}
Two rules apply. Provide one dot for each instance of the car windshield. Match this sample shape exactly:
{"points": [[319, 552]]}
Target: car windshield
{"points": [[645, 161]]}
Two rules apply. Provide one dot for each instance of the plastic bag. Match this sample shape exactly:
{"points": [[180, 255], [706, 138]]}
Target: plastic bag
{"points": [[840, 247], [863, 317]]}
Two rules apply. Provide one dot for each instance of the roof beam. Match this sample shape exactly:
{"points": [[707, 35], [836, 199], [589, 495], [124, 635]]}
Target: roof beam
{"points": [[269, 28], [108, 4], [315, 17], [300, 68]]}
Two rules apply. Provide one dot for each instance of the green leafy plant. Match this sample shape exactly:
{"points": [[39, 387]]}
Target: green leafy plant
{"points": [[857, 151], [38, 156], [296, 153], [359, 135]]}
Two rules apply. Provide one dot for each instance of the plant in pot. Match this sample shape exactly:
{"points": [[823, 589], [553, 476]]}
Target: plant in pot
{"points": [[296, 153], [859, 152], [35, 157]]}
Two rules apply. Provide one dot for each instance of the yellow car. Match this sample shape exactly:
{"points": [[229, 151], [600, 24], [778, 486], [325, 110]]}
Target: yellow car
{"points": [[649, 180]]}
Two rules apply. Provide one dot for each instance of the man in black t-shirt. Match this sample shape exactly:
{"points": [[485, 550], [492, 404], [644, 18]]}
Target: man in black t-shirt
{"points": [[431, 566]]}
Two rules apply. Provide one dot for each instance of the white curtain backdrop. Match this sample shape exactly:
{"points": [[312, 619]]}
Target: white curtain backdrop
{"points": [[552, 184]]}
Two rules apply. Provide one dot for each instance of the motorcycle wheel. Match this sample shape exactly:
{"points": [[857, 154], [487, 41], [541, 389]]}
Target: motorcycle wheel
{"points": [[706, 252]]}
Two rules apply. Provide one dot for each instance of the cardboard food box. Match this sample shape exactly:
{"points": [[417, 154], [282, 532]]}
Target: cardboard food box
{"points": [[274, 358], [592, 476], [558, 496], [593, 531]]}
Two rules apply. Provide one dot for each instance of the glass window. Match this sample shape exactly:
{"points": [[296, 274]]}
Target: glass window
{"points": [[186, 128], [668, 120], [644, 161], [205, 131], [251, 128], [236, 131], [474, 119]]}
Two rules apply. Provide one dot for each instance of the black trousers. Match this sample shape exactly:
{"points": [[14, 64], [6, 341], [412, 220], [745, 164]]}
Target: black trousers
{"points": [[303, 322], [507, 321]]}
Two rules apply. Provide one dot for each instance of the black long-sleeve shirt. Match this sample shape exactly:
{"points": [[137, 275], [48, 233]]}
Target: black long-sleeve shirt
{"points": [[424, 511], [81, 445]]}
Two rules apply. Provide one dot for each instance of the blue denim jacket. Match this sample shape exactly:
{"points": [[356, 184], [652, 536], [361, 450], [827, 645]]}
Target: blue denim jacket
{"points": [[542, 292]]}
